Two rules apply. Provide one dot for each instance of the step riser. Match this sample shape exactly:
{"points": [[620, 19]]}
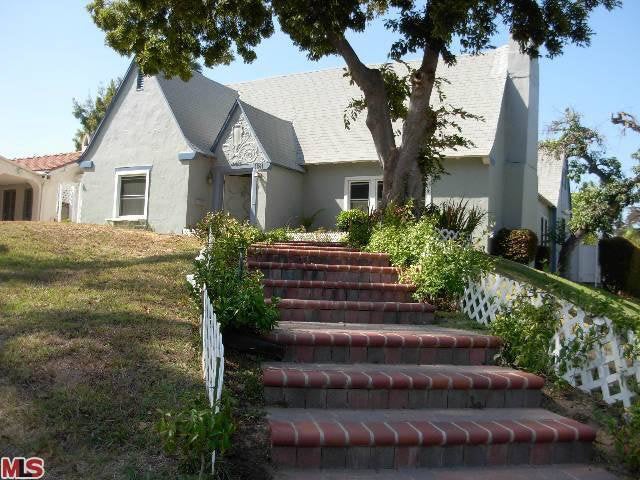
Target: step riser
{"points": [[339, 294], [396, 457], [355, 316], [399, 399], [329, 276], [389, 355], [323, 258]]}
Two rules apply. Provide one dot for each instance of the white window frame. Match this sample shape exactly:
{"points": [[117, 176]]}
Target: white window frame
{"points": [[130, 172], [373, 189]]}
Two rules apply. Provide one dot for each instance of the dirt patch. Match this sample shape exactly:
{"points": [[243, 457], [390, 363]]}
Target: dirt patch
{"points": [[573, 403], [249, 456]]}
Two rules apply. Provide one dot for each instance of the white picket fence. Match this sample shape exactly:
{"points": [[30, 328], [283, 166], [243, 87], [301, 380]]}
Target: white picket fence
{"points": [[212, 358], [607, 371], [212, 352]]}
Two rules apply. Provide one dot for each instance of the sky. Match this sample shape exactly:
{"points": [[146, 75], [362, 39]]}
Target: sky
{"points": [[51, 52]]}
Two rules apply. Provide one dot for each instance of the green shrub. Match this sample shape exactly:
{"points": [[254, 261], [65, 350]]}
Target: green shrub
{"points": [[519, 245], [527, 331], [439, 269], [626, 435], [620, 265], [235, 293], [357, 223], [193, 434], [543, 256], [457, 216]]}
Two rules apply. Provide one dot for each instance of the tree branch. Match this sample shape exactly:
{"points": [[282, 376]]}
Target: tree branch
{"points": [[626, 120], [371, 83]]}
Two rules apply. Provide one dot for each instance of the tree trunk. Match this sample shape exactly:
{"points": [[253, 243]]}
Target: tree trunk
{"points": [[402, 176], [408, 182], [567, 248]]}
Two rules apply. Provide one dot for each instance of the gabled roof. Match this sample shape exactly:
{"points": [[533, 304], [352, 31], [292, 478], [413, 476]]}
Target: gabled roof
{"points": [[46, 163], [200, 107], [315, 103], [277, 137], [551, 170]]}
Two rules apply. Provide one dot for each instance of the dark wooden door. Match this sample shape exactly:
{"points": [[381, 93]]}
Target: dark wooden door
{"points": [[9, 205]]}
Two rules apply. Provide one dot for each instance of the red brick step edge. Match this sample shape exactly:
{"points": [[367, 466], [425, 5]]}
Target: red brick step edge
{"points": [[313, 433]]}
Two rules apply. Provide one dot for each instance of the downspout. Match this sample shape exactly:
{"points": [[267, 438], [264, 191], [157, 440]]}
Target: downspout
{"points": [[254, 196], [40, 195]]}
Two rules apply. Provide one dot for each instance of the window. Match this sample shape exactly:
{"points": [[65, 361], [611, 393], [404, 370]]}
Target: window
{"points": [[359, 195], [237, 135], [27, 206], [363, 193], [131, 193], [544, 231]]}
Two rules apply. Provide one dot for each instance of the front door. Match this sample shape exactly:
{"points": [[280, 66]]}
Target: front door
{"points": [[9, 205], [236, 197]]}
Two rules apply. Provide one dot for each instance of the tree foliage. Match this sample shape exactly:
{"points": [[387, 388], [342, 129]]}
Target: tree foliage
{"points": [[597, 206], [92, 110], [168, 35]]}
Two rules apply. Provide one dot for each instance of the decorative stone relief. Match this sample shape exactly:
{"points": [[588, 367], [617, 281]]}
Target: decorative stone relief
{"points": [[240, 147]]}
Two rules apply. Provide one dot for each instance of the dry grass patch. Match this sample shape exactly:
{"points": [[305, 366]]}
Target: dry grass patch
{"points": [[97, 331]]}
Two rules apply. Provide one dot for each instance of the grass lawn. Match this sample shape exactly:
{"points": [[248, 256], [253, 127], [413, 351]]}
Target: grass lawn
{"points": [[97, 331], [625, 310]]}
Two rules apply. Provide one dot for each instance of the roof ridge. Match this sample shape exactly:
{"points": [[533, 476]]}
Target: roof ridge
{"points": [[328, 69], [46, 155]]}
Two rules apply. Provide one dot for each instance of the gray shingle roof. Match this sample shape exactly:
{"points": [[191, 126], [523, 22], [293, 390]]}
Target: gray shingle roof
{"points": [[276, 136], [315, 103], [200, 107], [550, 175]]}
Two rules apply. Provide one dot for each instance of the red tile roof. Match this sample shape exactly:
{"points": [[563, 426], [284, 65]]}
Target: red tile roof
{"points": [[47, 162]]}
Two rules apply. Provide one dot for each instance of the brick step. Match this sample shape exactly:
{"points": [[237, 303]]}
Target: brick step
{"points": [[369, 386], [384, 439], [522, 472], [391, 344], [311, 255], [353, 291], [326, 272], [315, 246], [329, 311]]}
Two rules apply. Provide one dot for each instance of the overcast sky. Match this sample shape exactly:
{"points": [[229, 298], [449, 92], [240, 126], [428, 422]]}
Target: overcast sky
{"points": [[51, 52]]}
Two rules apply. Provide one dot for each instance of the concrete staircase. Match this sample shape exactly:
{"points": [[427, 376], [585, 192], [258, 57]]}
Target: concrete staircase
{"points": [[370, 388]]}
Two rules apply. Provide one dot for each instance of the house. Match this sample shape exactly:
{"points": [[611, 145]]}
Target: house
{"points": [[554, 202], [554, 212], [275, 150], [40, 188]]}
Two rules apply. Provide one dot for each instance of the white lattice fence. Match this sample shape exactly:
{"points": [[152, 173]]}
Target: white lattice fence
{"points": [[606, 373], [317, 236]]}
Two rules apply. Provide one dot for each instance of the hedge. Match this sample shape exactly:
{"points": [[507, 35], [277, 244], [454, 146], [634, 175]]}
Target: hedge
{"points": [[519, 245], [620, 265]]}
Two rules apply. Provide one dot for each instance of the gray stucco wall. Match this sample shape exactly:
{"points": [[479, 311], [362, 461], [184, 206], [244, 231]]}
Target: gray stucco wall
{"points": [[323, 188], [200, 197], [520, 120], [140, 131], [467, 180], [283, 188]]}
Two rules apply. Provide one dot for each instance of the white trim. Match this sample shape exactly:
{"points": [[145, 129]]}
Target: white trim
{"points": [[373, 190], [126, 172]]}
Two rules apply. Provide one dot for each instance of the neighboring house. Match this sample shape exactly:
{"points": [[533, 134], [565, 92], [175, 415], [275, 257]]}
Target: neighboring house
{"points": [[275, 150], [554, 212], [40, 188], [554, 203]]}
